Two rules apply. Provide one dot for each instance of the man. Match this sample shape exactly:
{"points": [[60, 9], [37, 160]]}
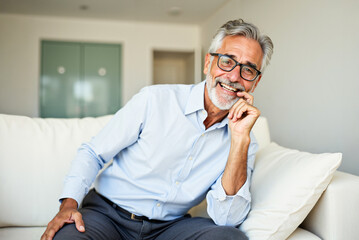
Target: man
{"points": [[172, 146]]}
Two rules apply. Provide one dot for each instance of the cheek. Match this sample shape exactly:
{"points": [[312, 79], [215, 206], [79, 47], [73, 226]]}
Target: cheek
{"points": [[248, 85], [215, 72], [251, 86]]}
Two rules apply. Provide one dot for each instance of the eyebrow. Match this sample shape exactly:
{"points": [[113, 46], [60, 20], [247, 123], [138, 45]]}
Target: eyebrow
{"points": [[246, 63], [252, 65]]}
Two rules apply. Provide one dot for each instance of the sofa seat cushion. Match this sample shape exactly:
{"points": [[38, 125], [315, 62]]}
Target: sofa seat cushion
{"points": [[301, 234], [16, 233], [34, 233]]}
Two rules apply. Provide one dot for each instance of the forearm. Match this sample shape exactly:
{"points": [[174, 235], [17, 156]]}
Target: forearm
{"points": [[242, 116], [82, 174], [235, 172], [227, 209]]}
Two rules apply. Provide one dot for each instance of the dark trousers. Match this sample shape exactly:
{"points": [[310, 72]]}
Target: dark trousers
{"points": [[103, 221]]}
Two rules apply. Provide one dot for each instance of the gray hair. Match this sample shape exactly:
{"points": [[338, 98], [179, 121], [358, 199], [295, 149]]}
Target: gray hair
{"points": [[240, 28]]}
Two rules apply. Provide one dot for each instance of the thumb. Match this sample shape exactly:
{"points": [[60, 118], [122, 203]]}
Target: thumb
{"points": [[80, 225]]}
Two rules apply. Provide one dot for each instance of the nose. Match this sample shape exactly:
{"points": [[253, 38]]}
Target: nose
{"points": [[234, 75]]}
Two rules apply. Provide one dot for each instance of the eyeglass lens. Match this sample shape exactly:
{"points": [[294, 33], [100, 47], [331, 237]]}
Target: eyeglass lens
{"points": [[227, 64]]}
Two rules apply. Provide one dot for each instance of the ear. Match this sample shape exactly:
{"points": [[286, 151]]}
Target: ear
{"points": [[207, 60], [256, 83]]}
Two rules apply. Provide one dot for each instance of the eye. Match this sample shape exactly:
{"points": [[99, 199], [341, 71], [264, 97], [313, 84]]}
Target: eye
{"points": [[226, 62], [249, 71]]}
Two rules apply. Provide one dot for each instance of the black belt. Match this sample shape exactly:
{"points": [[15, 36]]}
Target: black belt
{"points": [[131, 215]]}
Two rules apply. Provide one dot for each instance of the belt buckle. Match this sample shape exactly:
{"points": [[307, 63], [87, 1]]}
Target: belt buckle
{"points": [[133, 216]]}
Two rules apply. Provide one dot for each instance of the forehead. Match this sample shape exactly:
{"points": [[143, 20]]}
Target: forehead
{"points": [[242, 49]]}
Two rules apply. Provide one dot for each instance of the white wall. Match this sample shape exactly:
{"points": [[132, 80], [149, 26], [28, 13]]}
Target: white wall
{"points": [[309, 93], [20, 38]]}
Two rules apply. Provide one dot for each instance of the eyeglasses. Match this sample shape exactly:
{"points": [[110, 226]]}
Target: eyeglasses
{"points": [[227, 64]]}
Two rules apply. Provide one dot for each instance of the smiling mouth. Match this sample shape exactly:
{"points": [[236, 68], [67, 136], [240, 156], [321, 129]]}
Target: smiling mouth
{"points": [[229, 88]]}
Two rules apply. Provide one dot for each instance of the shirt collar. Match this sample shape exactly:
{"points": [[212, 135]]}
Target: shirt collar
{"points": [[196, 98], [223, 122], [196, 102]]}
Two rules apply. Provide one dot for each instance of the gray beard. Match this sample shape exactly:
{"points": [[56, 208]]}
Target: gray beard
{"points": [[228, 101]]}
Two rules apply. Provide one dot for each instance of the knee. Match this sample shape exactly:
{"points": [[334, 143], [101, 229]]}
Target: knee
{"points": [[224, 233], [69, 231]]}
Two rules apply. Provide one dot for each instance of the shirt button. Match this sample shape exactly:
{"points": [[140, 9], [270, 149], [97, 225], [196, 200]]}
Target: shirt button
{"points": [[222, 198], [158, 204], [202, 134], [203, 111], [190, 158], [177, 182]]}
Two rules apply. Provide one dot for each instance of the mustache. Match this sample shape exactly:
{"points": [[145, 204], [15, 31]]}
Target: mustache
{"points": [[229, 83]]}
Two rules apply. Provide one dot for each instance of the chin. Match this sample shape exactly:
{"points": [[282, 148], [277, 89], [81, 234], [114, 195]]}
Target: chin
{"points": [[222, 102], [225, 106]]}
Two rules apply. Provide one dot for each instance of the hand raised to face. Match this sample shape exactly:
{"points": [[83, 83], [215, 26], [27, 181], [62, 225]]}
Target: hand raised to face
{"points": [[242, 115]]}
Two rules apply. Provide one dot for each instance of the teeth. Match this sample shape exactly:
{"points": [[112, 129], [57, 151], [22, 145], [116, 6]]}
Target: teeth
{"points": [[229, 87]]}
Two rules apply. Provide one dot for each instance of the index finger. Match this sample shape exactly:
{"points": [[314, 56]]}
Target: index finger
{"points": [[53, 227], [246, 96], [77, 217], [49, 233]]}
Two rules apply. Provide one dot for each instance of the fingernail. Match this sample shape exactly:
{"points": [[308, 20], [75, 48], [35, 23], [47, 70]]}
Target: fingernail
{"points": [[82, 228]]}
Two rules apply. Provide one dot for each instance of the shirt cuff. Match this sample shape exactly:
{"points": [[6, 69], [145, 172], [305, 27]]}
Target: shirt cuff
{"points": [[73, 188], [243, 192]]}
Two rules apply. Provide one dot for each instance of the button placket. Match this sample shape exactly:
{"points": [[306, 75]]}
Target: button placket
{"points": [[188, 165]]}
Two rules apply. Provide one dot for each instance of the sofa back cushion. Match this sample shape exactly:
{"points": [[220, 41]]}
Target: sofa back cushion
{"points": [[35, 155], [261, 132], [286, 184]]}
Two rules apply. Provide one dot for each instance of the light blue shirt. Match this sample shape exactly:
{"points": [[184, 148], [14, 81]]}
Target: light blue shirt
{"points": [[164, 160]]}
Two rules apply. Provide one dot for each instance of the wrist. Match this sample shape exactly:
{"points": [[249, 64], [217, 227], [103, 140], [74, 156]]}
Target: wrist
{"points": [[241, 139], [68, 203]]}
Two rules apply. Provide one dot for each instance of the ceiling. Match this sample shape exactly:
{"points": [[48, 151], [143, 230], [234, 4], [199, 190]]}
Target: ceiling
{"points": [[169, 11]]}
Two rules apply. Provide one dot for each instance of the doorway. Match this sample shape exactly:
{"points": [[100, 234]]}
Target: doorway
{"points": [[171, 67]]}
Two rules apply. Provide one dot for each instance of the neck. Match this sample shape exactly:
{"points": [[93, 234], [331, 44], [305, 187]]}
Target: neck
{"points": [[215, 114]]}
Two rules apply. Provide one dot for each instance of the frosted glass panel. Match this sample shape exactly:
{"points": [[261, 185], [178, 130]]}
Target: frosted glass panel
{"points": [[80, 79], [101, 80], [60, 74]]}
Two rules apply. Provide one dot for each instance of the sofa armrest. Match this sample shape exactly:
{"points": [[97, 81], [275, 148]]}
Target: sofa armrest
{"points": [[336, 214]]}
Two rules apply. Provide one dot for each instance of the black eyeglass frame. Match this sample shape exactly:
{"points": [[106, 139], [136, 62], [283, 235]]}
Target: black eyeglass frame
{"points": [[241, 65]]}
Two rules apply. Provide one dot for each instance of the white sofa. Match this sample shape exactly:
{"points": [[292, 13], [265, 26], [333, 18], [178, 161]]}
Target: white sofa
{"points": [[35, 155]]}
